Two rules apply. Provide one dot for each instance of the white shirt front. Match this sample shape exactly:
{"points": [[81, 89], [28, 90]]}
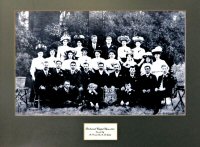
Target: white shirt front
{"points": [[37, 63], [138, 53], [61, 52], [123, 51], [95, 61]]}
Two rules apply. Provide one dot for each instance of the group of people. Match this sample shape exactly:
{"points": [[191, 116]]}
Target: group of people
{"points": [[79, 76]]}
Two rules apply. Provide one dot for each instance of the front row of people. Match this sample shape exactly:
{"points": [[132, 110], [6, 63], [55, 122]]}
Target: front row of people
{"points": [[86, 89]]}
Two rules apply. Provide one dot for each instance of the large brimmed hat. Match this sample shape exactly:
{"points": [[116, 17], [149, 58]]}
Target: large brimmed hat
{"points": [[123, 38], [65, 37], [138, 39], [158, 49]]}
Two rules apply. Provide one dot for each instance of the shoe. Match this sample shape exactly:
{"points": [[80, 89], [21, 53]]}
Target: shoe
{"points": [[155, 111]]}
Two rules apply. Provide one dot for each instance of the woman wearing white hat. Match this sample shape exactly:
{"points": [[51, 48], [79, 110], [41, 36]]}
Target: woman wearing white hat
{"points": [[138, 52], [65, 39], [156, 65], [124, 49]]}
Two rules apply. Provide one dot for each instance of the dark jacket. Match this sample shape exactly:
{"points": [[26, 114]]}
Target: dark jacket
{"points": [[105, 50], [100, 80]]}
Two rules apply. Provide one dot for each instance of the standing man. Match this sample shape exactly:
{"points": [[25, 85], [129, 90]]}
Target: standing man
{"points": [[108, 46], [93, 46]]}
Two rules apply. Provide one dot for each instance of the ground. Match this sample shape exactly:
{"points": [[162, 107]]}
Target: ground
{"points": [[167, 110]]}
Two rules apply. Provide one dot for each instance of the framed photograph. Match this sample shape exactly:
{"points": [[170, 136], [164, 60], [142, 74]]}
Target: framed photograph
{"points": [[33, 116], [100, 63]]}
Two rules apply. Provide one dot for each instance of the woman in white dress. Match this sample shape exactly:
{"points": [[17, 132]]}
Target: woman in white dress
{"points": [[52, 59], [69, 58], [138, 52], [111, 61], [79, 39], [65, 39], [124, 49], [97, 59], [157, 64]]}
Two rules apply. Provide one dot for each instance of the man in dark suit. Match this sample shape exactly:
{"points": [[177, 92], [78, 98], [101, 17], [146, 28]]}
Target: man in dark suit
{"points": [[108, 46], [68, 95], [116, 78], [148, 83], [100, 75], [86, 77], [164, 85], [44, 85], [57, 81], [127, 97], [133, 79], [93, 46], [73, 75]]}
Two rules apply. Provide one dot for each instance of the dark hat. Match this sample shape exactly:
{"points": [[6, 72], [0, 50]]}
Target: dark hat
{"points": [[113, 51], [84, 49], [138, 39], [123, 38], [98, 51]]}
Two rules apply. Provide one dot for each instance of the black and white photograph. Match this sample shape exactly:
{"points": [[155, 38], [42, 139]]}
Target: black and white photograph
{"points": [[100, 63]]}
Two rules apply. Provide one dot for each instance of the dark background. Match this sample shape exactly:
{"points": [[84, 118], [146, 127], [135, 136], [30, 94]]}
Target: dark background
{"points": [[68, 131]]}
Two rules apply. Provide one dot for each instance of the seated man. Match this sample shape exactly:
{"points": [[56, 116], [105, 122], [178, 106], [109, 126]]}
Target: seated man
{"points": [[127, 97], [92, 97], [67, 96], [148, 83], [164, 85]]}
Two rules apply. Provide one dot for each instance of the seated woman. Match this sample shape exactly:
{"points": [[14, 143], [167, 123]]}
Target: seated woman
{"points": [[111, 61], [96, 60], [129, 61], [84, 58], [69, 58]]}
